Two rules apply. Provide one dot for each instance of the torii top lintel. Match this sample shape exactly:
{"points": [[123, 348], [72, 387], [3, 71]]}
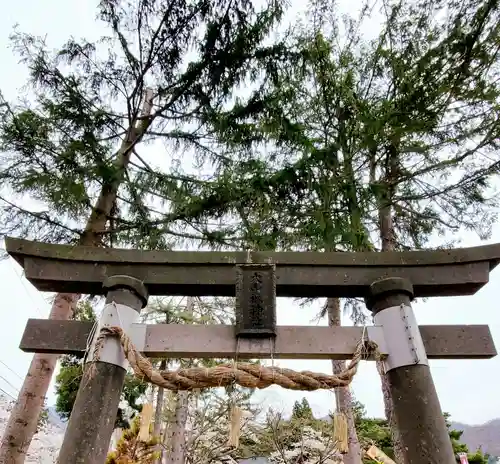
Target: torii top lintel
{"points": [[77, 269]]}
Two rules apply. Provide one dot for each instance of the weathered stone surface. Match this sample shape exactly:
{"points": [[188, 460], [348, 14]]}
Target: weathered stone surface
{"points": [[303, 274], [292, 342], [422, 435], [20, 248], [119, 282], [92, 419]]}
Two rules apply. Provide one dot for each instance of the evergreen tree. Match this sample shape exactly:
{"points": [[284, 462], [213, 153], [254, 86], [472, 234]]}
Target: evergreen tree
{"points": [[372, 145], [130, 449], [162, 73], [302, 410], [278, 436], [377, 431]]}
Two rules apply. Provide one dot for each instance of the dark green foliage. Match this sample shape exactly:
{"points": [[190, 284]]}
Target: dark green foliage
{"points": [[73, 142], [302, 410], [369, 430], [43, 418], [70, 374], [377, 145], [67, 383], [131, 450], [476, 457], [377, 431], [401, 124]]}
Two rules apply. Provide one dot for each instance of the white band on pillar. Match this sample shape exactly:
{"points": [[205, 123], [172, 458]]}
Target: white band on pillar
{"points": [[402, 337], [116, 315]]}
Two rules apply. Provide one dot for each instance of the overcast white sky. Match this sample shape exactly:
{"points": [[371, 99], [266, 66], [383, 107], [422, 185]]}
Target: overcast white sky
{"points": [[467, 389]]}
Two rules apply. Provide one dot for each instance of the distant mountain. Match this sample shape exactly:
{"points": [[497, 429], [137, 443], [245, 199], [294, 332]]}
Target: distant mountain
{"points": [[486, 436]]}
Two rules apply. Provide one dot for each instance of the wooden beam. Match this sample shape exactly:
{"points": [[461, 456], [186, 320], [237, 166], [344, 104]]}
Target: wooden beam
{"points": [[62, 268], [292, 342]]}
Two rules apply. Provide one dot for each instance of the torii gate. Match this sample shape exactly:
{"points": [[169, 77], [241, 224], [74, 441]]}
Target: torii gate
{"points": [[388, 282]]}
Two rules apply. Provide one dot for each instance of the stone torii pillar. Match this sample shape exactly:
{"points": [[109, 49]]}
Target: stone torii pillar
{"points": [[92, 419], [404, 346], [416, 408]]}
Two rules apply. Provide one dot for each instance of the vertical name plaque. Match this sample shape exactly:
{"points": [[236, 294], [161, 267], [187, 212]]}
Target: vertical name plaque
{"points": [[256, 300]]}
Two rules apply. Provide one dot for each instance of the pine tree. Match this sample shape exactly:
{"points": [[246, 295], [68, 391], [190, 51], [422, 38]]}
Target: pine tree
{"points": [[162, 74], [302, 410], [372, 145], [130, 449]]}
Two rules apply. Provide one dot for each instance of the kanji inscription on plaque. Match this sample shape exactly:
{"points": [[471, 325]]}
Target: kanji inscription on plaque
{"points": [[256, 300]]}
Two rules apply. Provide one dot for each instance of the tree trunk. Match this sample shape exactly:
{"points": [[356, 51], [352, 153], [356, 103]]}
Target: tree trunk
{"points": [[343, 394], [158, 412], [176, 451], [388, 243], [23, 418], [170, 403]]}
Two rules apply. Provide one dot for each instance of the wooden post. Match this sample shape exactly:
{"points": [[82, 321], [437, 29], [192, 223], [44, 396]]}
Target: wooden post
{"points": [[416, 407], [92, 420]]}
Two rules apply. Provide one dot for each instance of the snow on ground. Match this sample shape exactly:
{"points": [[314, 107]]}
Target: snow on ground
{"points": [[46, 442]]}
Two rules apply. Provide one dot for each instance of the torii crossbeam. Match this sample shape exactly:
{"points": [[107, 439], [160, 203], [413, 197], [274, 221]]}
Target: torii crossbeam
{"points": [[62, 268], [387, 281]]}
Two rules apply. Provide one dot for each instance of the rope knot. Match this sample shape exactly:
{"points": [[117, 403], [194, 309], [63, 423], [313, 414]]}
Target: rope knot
{"points": [[370, 350]]}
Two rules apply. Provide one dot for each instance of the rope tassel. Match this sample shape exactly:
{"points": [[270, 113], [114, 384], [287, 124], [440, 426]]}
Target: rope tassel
{"points": [[340, 435], [146, 418], [235, 415]]}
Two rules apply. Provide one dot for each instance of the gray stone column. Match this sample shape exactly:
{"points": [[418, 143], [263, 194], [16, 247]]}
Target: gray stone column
{"points": [[416, 407], [92, 420]]}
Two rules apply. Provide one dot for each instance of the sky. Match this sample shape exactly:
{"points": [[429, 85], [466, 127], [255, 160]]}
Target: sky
{"points": [[467, 389]]}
